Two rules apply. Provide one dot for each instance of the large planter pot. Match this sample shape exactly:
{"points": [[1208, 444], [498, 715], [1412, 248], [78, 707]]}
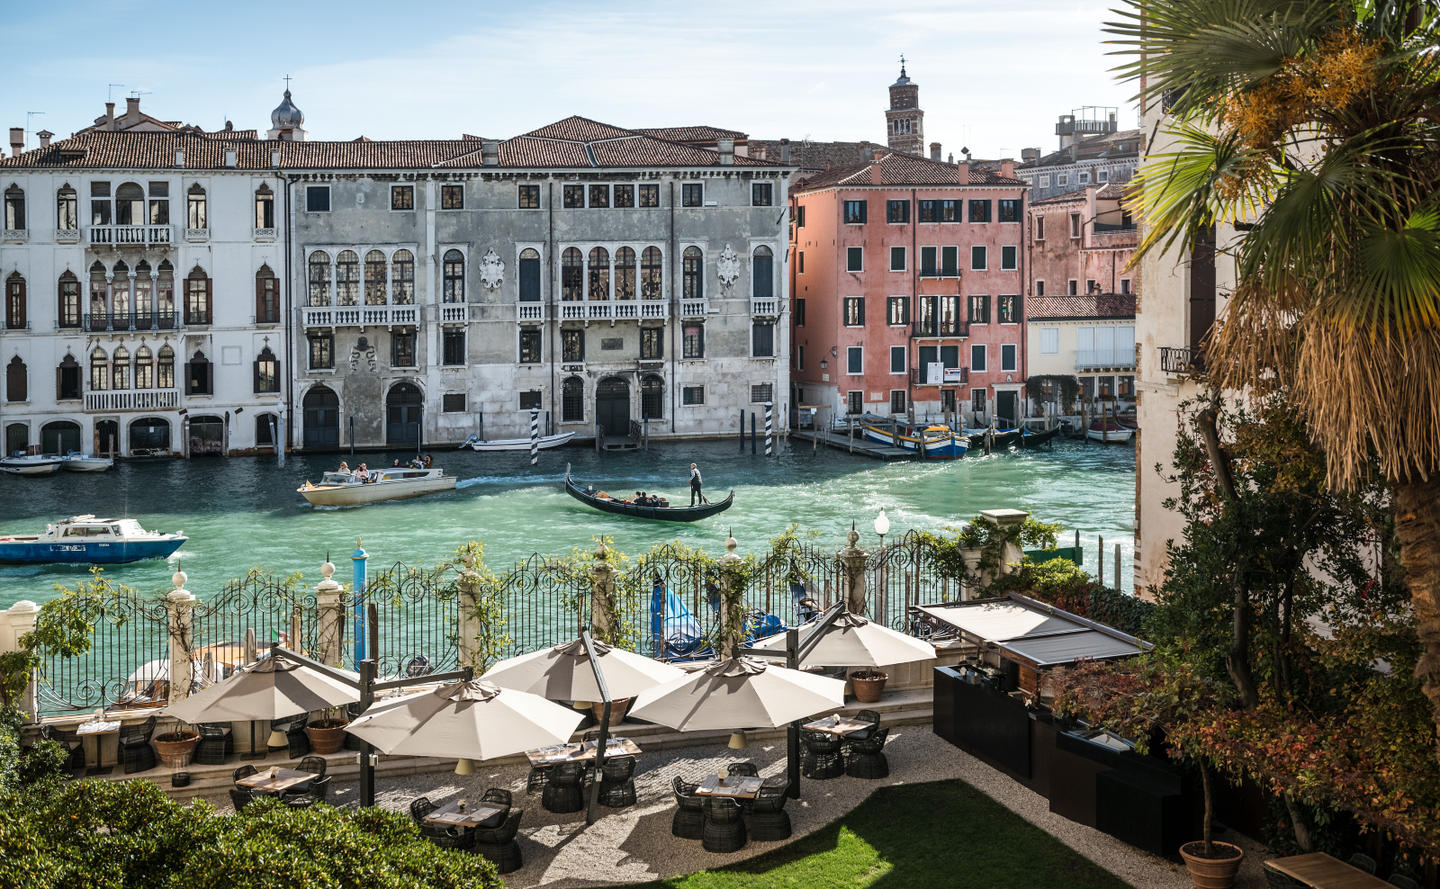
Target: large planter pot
{"points": [[175, 748], [618, 708], [868, 685], [327, 736], [1216, 871]]}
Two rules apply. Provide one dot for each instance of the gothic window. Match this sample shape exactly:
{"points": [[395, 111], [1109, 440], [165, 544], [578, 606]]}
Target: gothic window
{"points": [[572, 400], [16, 380], [99, 370], [68, 307], [572, 345], [144, 293], [692, 268], [651, 276], [130, 204], [99, 297], [15, 302], [267, 372], [529, 275], [454, 275], [67, 210], [267, 296], [319, 278], [264, 207], [199, 376], [375, 272], [402, 277], [347, 278], [624, 273], [165, 295], [572, 275], [762, 273], [14, 208], [67, 379], [195, 212], [197, 297], [322, 351], [120, 295], [652, 397], [144, 368], [599, 273], [120, 368], [165, 368]]}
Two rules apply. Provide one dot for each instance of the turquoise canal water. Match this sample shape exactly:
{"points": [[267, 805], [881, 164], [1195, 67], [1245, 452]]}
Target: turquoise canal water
{"points": [[243, 512]]}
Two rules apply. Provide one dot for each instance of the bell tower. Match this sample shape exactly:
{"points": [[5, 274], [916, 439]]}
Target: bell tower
{"points": [[904, 121]]}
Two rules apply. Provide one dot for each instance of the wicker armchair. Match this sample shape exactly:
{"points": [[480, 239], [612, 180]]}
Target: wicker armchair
{"points": [[617, 782], [498, 843], [689, 820], [1403, 881], [136, 754], [67, 739], [293, 728], [724, 829], [767, 818], [744, 768], [421, 807], [240, 797], [865, 757], [820, 759], [869, 716], [316, 791], [562, 792], [217, 743], [244, 771], [499, 796], [1363, 862], [314, 764], [439, 834]]}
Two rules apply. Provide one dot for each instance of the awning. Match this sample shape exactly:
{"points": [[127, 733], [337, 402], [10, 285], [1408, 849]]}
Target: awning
{"points": [[1034, 632]]}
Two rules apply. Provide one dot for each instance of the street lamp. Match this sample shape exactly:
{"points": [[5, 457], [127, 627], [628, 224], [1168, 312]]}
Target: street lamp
{"points": [[882, 526]]}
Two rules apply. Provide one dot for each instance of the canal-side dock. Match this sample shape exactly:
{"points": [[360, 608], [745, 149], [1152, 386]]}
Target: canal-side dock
{"points": [[856, 444]]}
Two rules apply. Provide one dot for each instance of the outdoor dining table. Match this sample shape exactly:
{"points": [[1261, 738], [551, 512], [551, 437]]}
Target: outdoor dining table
{"points": [[735, 787], [460, 814], [838, 725], [283, 779], [93, 731], [582, 752], [1326, 872]]}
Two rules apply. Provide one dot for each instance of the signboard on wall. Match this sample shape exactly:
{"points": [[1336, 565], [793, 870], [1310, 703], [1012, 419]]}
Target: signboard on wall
{"points": [[934, 370], [954, 375]]}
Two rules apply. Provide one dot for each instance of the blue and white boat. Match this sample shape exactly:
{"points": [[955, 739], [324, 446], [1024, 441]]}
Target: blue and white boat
{"points": [[87, 540], [932, 442]]}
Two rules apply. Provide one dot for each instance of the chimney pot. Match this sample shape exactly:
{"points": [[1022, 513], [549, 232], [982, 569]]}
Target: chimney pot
{"points": [[726, 148], [45, 137], [132, 105], [934, 151], [17, 141], [490, 153], [110, 115]]}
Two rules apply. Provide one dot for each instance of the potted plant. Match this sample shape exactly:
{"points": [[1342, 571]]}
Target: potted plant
{"points": [[328, 734], [175, 748], [868, 684], [1212, 864]]}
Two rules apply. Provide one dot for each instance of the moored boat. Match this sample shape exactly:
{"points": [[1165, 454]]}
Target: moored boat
{"points": [[1000, 438], [30, 464], [392, 483], [85, 539], [662, 511], [1033, 439], [78, 462], [940, 442], [1109, 432], [545, 442]]}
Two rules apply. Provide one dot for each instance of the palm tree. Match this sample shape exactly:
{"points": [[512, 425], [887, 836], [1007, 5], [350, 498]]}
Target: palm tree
{"points": [[1312, 127]]}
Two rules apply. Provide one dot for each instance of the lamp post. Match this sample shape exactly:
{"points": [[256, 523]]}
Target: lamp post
{"points": [[882, 526]]}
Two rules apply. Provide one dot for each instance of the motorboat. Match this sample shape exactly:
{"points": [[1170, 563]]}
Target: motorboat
{"points": [[544, 442], [939, 442], [1109, 432], [30, 464], [390, 483], [78, 462], [85, 539], [660, 509]]}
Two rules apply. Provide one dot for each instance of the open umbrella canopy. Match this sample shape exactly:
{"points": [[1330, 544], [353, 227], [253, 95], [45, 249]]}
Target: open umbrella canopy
{"points": [[853, 641], [272, 688], [565, 673], [465, 720], [739, 693]]}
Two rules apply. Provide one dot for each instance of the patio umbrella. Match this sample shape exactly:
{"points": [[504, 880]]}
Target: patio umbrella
{"points": [[272, 688], [853, 641], [564, 672], [465, 720], [739, 693]]}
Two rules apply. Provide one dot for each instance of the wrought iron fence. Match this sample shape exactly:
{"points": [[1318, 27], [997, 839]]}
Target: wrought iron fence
{"points": [[418, 619], [545, 600], [273, 609], [902, 575], [128, 661]]}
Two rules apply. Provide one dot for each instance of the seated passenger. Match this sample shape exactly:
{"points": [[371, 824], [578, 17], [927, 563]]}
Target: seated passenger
{"points": [[429, 461], [344, 467], [362, 474]]}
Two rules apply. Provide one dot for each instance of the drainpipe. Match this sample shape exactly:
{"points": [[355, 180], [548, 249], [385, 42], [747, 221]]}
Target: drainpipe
{"points": [[915, 288], [675, 315], [283, 182], [553, 325], [1022, 365]]}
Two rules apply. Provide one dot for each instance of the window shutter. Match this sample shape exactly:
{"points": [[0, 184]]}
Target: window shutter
{"points": [[259, 299], [209, 300]]}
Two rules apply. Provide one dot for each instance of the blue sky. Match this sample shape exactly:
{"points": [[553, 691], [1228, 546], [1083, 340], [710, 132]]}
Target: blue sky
{"points": [[993, 75]]}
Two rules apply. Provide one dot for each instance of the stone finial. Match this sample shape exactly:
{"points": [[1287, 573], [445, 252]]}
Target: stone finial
{"points": [[179, 578], [468, 560], [730, 544], [327, 570], [600, 551], [853, 536]]}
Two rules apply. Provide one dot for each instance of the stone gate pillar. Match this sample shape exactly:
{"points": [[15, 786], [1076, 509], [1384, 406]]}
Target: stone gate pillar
{"points": [[468, 620], [602, 597], [180, 608], [330, 617], [852, 567], [729, 636], [15, 622]]}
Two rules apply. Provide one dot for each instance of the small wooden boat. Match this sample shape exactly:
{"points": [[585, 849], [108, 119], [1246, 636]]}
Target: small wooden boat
{"points": [[1032, 439], [545, 442], [78, 462], [940, 442], [606, 503], [1000, 438], [1109, 432], [390, 483], [87, 540], [30, 464]]}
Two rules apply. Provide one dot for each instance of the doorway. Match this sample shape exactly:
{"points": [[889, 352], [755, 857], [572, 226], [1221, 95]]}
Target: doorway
{"points": [[321, 416], [107, 438], [149, 437], [207, 437], [1006, 408], [612, 406], [60, 437], [402, 415]]}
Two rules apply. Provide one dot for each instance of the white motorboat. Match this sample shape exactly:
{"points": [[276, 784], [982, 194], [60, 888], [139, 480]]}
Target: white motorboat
{"points": [[89, 540], [30, 464], [391, 483], [545, 442], [78, 462]]}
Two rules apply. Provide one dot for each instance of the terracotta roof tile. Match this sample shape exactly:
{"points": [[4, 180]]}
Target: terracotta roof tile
{"points": [[899, 169], [691, 134], [1093, 305], [578, 129], [1104, 145]]}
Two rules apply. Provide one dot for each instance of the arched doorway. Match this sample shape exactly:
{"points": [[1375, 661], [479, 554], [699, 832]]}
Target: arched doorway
{"points": [[149, 436], [107, 438], [321, 416], [265, 431], [17, 438], [60, 437], [612, 406], [206, 437], [402, 414]]}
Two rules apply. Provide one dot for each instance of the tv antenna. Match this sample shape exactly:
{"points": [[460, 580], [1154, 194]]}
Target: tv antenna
{"points": [[28, 115], [110, 93]]}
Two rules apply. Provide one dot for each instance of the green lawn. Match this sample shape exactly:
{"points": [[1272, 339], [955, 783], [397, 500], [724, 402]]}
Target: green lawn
{"points": [[944, 835]]}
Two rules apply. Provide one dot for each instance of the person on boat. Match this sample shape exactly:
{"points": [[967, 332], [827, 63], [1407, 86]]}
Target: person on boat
{"points": [[396, 464], [416, 462], [695, 486], [344, 467], [429, 461], [361, 475]]}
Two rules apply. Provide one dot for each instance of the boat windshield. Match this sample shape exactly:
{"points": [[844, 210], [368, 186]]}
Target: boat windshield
{"points": [[336, 478]]}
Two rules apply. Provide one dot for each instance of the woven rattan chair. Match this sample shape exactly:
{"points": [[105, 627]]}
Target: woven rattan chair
{"points": [[68, 739], [499, 796], [244, 771], [498, 843], [865, 757], [744, 768], [136, 754], [1403, 881], [315, 792], [724, 829], [562, 792], [869, 716], [617, 782], [297, 743], [539, 777], [314, 764], [689, 820], [217, 743], [240, 797], [1363, 862], [820, 758], [766, 816], [421, 807]]}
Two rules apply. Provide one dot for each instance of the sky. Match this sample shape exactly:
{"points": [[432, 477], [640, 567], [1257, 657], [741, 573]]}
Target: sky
{"points": [[993, 76]]}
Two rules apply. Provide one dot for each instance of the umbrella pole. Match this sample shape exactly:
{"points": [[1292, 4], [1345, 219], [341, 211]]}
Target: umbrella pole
{"points": [[792, 732], [604, 738], [367, 765]]}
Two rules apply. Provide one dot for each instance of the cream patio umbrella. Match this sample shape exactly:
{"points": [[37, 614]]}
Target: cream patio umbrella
{"points": [[853, 641], [272, 688], [465, 720], [565, 672], [739, 693]]}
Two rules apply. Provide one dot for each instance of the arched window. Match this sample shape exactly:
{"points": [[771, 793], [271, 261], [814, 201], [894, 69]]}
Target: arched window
{"points": [[572, 400], [198, 297], [651, 277], [15, 302], [572, 275], [267, 296], [375, 274], [67, 379], [195, 215], [16, 380], [120, 296], [762, 274], [402, 277], [319, 278], [144, 368], [198, 378], [347, 278], [599, 273], [144, 297], [267, 372], [624, 273], [67, 308], [165, 296], [264, 208], [99, 297], [120, 368], [99, 370], [67, 211], [165, 369], [692, 271], [454, 277], [130, 205], [529, 275], [15, 209], [652, 397]]}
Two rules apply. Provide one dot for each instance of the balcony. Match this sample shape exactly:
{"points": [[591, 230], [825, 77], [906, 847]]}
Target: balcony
{"points": [[941, 328], [530, 311], [265, 234], [614, 310], [133, 400], [765, 308], [1179, 362], [693, 308], [452, 313], [16, 235], [1092, 359], [197, 234], [130, 235], [100, 323], [363, 316], [951, 376], [67, 236]]}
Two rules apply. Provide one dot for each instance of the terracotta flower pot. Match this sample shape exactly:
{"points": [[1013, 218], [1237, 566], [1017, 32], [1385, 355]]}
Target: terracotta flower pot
{"points": [[327, 736], [1216, 871], [175, 748], [868, 685], [618, 708]]}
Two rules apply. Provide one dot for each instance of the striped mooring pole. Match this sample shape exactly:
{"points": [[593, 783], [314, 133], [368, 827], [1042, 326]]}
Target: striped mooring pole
{"points": [[534, 436], [769, 429]]}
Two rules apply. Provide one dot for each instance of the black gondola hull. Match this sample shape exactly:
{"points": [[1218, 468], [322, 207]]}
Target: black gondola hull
{"points": [[658, 513]]}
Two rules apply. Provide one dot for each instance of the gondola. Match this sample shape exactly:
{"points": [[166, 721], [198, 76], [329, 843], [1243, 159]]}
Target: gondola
{"points": [[662, 513], [1036, 439]]}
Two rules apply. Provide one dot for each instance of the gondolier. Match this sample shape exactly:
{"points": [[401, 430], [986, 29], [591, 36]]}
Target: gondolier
{"points": [[695, 482]]}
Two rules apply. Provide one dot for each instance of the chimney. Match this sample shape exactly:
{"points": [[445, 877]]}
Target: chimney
{"points": [[934, 151], [45, 137], [964, 172], [17, 141], [490, 153], [1029, 155], [875, 177], [109, 115], [132, 106], [726, 147], [1007, 168]]}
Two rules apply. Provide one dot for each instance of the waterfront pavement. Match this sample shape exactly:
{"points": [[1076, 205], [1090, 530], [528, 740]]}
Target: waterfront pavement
{"points": [[635, 845]]}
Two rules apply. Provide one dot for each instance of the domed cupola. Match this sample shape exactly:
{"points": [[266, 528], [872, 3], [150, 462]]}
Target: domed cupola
{"points": [[286, 121]]}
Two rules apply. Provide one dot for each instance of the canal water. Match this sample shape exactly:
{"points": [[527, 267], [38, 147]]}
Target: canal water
{"points": [[242, 512]]}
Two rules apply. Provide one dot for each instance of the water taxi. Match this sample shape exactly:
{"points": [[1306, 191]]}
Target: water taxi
{"points": [[85, 539], [389, 483], [543, 443], [30, 464]]}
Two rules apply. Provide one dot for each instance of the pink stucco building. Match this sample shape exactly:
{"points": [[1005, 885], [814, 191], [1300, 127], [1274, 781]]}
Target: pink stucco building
{"points": [[907, 283]]}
